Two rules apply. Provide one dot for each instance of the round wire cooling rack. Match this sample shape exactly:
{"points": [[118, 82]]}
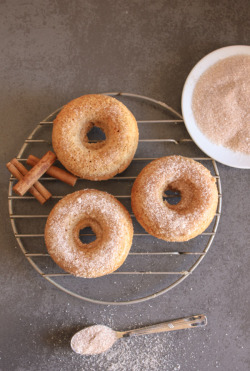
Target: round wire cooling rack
{"points": [[153, 266]]}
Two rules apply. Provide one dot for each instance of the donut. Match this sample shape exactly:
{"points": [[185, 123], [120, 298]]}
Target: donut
{"points": [[196, 209], [101, 160], [110, 222]]}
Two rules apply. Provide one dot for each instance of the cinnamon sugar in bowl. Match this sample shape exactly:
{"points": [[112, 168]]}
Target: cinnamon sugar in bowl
{"points": [[215, 105]]}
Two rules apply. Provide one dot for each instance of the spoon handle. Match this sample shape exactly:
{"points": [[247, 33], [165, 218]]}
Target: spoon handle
{"points": [[199, 320]]}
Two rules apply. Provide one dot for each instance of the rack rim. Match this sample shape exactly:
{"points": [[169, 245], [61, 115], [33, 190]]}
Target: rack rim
{"points": [[184, 274]]}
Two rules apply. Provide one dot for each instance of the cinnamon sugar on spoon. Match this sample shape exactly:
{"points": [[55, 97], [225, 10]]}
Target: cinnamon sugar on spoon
{"points": [[221, 103], [93, 340]]}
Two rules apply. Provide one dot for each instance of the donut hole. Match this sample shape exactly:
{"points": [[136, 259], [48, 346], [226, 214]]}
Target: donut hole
{"points": [[87, 235], [171, 196], [96, 134], [185, 196], [93, 135]]}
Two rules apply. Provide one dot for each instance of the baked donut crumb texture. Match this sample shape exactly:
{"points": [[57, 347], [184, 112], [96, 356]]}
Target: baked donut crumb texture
{"points": [[104, 159], [196, 209], [109, 220]]}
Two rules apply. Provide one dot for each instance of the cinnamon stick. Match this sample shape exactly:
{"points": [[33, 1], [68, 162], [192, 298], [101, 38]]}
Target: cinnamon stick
{"points": [[16, 173], [39, 187], [35, 173], [55, 172]]}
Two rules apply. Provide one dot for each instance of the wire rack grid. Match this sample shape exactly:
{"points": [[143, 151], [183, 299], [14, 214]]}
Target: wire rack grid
{"points": [[177, 261]]}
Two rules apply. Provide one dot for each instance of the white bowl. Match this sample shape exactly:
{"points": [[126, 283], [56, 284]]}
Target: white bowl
{"points": [[218, 152]]}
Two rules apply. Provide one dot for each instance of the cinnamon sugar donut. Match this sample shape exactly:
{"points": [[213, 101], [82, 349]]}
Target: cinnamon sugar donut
{"points": [[101, 160], [109, 220], [192, 215]]}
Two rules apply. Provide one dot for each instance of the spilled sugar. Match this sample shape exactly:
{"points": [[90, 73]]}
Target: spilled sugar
{"points": [[153, 352], [126, 355]]}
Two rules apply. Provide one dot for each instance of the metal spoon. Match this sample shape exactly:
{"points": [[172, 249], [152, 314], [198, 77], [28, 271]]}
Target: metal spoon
{"points": [[97, 339]]}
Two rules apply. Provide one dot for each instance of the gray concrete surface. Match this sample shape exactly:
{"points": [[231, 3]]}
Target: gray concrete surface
{"points": [[53, 51]]}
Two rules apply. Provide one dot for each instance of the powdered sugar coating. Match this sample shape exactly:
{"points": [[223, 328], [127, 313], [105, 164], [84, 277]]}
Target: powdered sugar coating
{"points": [[221, 103], [109, 220], [191, 215], [95, 161], [93, 340]]}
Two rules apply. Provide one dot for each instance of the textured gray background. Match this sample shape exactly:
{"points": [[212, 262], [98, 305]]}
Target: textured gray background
{"points": [[53, 51]]}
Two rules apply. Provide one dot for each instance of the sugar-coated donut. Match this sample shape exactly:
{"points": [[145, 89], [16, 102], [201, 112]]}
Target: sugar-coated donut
{"points": [[196, 209], [101, 160], [109, 220]]}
